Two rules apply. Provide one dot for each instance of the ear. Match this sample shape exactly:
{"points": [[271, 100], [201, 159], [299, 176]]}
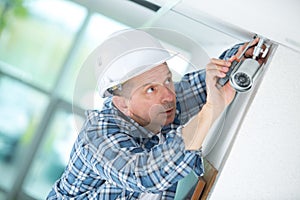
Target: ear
{"points": [[122, 104]]}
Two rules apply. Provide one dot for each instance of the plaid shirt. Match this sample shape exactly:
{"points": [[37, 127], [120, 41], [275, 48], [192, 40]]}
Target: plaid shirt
{"points": [[115, 158]]}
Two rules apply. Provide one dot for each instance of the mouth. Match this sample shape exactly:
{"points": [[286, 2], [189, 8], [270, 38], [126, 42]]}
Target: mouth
{"points": [[169, 111]]}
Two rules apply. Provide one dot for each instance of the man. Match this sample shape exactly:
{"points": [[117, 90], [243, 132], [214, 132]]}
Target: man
{"points": [[140, 144]]}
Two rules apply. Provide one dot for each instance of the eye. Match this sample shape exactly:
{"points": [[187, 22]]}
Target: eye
{"points": [[168, 81], [150, 90]]}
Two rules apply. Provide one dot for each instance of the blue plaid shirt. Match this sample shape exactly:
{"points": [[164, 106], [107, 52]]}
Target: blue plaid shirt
{"points": [[115, 158]]}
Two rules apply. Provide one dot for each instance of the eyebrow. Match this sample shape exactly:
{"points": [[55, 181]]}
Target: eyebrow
{"points": [[149, 83]]}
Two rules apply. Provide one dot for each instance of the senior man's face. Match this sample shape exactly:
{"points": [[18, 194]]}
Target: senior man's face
{"points": [[153, 100]]}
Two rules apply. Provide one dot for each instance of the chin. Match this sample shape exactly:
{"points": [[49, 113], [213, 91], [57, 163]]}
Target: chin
{"points": [[169, 120]]}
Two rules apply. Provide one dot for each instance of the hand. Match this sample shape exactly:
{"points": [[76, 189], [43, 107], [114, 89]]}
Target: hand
{"points": [[218, 98], [195, 131], [249, 52]]}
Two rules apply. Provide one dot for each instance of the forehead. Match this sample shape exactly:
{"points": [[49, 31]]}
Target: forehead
{"points": [[157, 74]]}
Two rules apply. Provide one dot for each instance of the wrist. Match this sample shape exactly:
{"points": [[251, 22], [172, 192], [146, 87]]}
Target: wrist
{"points": [[213, 110], [195, 131]]}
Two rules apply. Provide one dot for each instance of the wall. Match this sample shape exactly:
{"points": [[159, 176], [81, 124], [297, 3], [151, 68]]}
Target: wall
{"points": [[264, 161]]}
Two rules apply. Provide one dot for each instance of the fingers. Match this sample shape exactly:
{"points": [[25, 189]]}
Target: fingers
{"points": [[218, 67], [214, 70], [220, 62], [255, 41], [249, 52], [233, 58], [241, 49]]}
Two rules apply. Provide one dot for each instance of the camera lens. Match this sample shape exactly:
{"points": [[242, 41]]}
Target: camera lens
{"points": [[242, 79]]}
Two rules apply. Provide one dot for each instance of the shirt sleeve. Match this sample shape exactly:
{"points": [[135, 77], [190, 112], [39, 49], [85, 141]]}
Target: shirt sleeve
{"points": [[120, 160], [191, 95], [230, 52]]}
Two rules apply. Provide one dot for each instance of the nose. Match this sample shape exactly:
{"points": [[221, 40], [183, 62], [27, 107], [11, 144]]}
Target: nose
{"points": [[167, 94]]}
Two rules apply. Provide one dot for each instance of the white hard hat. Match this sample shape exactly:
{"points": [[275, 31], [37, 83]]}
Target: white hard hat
{"points": [[125, 55]]}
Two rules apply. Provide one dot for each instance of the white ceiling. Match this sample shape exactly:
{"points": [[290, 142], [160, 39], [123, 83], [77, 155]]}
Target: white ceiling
{"points": [[277, 20]]}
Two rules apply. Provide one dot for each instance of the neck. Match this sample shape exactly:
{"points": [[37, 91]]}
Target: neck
{"points": [[153, 127]]}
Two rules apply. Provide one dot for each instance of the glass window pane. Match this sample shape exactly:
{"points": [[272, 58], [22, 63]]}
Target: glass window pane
{"points": [[21, 110], [53, 155], [98, 29], [36, 44], [2, 195]]}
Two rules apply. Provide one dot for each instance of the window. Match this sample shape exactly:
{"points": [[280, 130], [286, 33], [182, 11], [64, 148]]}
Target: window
{"points": [[41, 54], [53, 154], [98, 29], [21, 110], [35, 46]]}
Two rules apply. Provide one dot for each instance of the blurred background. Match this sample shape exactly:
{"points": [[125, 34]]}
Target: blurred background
{"points": [[43, 44]]}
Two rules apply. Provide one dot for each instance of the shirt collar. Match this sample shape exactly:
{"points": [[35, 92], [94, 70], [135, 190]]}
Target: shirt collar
{"points": [[136, 130]]}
